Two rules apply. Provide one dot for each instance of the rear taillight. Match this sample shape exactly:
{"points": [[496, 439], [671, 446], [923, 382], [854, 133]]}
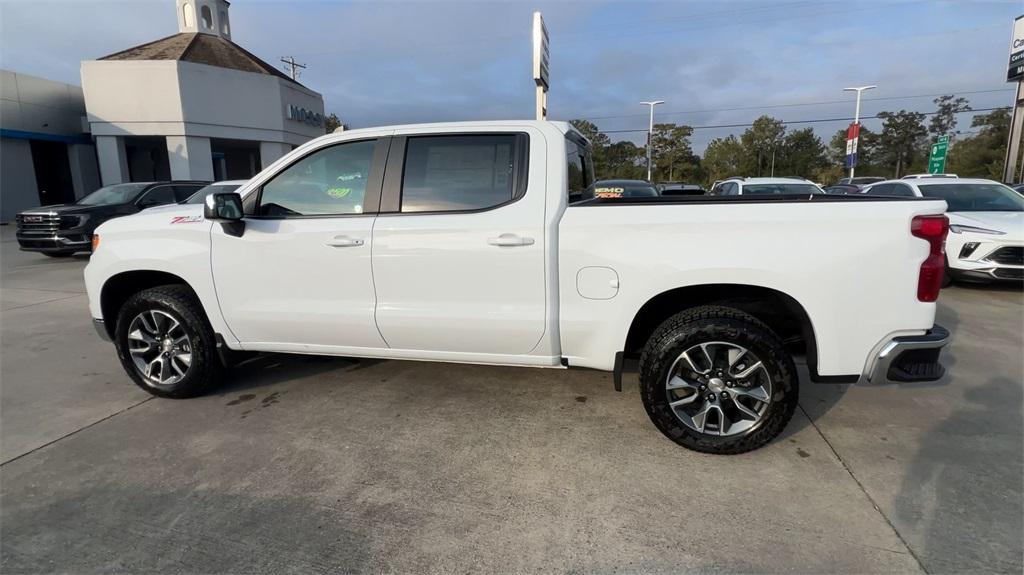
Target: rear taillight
{"points": [[932, 229]]}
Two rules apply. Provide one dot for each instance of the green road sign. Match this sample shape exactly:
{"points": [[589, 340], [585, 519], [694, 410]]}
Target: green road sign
{"points": [[937, 159]]}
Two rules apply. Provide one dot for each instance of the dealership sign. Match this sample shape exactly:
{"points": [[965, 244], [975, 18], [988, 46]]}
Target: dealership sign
{"points": [[1015, 72], [852, 137], [300, 114], [541, 59]]}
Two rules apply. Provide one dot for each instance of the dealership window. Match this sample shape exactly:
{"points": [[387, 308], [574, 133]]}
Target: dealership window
{"points": [[330, 181], [457, 173]]}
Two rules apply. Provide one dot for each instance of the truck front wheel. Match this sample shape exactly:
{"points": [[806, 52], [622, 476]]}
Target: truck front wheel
{"points": [[717, 380], [166, 344]]}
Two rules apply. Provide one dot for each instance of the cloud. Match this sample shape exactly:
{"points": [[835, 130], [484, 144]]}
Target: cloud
{"points": [[397, 62]]}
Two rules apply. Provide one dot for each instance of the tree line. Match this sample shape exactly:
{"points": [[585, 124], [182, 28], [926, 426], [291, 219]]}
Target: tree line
{"points": [[901, 147]]}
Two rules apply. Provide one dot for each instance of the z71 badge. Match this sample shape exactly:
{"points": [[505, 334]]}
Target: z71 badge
{"points": [[186, 219]]}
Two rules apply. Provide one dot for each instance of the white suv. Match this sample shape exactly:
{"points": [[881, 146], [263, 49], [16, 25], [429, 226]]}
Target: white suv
{"points": [[986, 224], [764, 186]]}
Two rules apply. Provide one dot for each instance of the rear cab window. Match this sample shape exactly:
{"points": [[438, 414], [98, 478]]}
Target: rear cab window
{"points": [[464, 172], [580, 172]]}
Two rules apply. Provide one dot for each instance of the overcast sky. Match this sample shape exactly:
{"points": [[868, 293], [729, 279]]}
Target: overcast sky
{"points": [[396, 62]]}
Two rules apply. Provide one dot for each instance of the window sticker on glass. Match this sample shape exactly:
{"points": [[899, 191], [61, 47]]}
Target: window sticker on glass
{"points": [[609, 192]]}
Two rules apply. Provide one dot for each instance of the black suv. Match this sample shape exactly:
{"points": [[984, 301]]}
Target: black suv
{"points": [[61, 230]]}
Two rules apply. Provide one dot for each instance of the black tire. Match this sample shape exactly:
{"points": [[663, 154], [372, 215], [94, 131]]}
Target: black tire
{"points": [[181, 304], [58, 254], [717, 324]]}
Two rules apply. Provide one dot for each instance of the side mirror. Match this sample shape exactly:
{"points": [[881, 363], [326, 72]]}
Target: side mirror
{"points": [[226, 208], [223, 207]]}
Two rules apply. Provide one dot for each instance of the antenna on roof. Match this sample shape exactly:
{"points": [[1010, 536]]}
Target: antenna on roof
{"points": [[293, 67]]}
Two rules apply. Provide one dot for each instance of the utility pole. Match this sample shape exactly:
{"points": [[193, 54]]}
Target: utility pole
{"points": [[293, 67], [650, 134], [856, 120]]}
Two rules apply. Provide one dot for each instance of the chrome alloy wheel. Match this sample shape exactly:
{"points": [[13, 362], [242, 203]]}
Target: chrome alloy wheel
{"points": [[159, 347], [718, 388]]}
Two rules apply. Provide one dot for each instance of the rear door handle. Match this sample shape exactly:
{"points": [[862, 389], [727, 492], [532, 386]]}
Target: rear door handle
{"points": [[344, 242], [510, 240]]}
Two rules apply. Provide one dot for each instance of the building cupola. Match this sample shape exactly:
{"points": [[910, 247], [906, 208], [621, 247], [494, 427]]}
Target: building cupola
{"points": [[204, 16]]}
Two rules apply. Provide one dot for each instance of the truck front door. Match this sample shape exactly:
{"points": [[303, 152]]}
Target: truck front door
{"points": [[299, 276], [459, 245]]}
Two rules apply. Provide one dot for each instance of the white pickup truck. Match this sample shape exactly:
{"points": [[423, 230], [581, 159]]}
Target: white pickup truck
{"points": [[478, 243]]}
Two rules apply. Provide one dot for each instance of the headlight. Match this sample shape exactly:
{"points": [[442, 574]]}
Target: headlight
{"points": [[72, 221], [959, 229]]}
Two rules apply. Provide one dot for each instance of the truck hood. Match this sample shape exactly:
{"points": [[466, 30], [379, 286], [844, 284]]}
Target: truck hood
{"points": [[66, 209], [169, 217], [1010, 223]]}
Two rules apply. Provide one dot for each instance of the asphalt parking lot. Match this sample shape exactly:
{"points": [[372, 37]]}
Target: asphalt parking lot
{"points": [[334, 465]]}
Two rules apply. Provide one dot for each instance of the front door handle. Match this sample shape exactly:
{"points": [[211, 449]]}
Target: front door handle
{"points": [[510, 240], [344, 242]]}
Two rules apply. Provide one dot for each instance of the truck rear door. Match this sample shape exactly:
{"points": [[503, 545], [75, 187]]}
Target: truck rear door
{"points": [[459, 246]]}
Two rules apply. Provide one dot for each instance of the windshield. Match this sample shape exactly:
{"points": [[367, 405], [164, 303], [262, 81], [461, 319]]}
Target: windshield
{"points": [[975, 197], [781, 189], [112, 195], [200, 196]]}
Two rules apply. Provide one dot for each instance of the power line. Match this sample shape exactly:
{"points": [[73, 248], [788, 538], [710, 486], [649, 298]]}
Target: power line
{"points": [[801, 104], [787, 122]]}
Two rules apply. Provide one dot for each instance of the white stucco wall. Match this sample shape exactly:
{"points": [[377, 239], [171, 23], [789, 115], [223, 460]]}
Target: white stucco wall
{"points": [[33, 104], [132, 97], [171, 98]]}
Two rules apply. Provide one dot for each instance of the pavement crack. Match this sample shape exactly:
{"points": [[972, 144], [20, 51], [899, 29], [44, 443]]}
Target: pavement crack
{"points": [[863, 490], [80, 429], [42, 302]]}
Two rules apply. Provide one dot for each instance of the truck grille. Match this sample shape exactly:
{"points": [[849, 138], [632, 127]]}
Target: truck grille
{"points": [[1008, 256], [38, 224]]}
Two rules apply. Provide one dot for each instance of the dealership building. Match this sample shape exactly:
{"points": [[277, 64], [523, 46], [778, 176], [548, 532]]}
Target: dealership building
{"points": [[191, 106]]}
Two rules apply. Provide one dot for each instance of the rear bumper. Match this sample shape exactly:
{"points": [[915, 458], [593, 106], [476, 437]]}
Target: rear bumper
{"points": [[910, 358]]}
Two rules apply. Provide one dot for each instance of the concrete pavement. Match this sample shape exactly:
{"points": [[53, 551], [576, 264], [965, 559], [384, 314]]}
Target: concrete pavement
{"points": [[302, 464]]}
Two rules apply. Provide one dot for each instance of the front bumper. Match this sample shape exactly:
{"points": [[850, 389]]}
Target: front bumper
{"points": [[910, 358], [984, 258], [55, 243]]}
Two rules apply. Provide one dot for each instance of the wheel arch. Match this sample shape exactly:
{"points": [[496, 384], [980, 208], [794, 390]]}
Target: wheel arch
{"points": [[119, 287], [778, 310]]}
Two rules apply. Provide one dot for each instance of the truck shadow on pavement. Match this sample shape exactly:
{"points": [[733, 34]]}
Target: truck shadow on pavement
{"points": [[267, 369]]}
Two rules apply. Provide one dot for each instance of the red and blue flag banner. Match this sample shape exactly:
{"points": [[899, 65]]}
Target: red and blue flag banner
{"points": [[852, 136]]}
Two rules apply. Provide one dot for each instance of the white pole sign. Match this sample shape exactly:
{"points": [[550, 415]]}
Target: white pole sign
{"points": [[540, 64]]}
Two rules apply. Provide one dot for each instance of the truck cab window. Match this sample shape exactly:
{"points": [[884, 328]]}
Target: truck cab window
{"points": [[458, 173], [330, 181]]}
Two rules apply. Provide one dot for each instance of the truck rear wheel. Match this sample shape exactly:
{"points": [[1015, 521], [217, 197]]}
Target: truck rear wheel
{"points": [[715, 379], [166, 344]]}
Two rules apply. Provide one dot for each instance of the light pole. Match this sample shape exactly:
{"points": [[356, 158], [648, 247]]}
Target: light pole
{"points": [[650, 133], [856, 114]]}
